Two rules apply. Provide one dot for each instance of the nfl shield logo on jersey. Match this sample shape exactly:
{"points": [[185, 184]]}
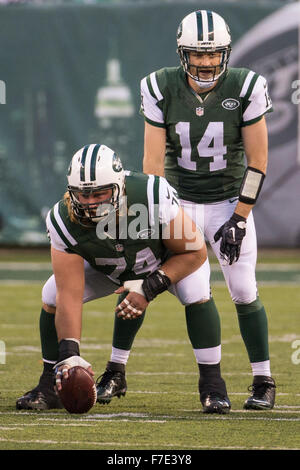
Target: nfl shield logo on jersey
{"points": [[200, 111], [119, 247]]}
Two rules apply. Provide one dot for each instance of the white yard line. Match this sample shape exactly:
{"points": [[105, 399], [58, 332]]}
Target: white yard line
{"points": [[41, 266], [137, 417], [119, 445]]}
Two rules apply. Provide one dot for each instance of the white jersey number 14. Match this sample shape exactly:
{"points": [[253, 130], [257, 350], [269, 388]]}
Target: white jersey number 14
{"points": [[211, 145]]}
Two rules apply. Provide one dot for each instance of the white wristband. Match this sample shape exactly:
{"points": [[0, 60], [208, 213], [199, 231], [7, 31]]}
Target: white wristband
{"points": [[73, 361], [73, 339], [134, 286]]}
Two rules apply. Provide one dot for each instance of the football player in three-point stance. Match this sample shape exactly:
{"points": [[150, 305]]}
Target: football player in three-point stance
{"points": [[200, 119], [100, 246]]}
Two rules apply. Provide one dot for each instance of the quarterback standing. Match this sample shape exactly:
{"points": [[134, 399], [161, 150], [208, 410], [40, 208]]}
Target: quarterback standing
{"points": [[201, 118]]}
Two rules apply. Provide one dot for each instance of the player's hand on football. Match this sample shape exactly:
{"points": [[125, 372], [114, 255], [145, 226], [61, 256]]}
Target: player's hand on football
{"points": [[231, 234], [134, 303], [62, 368]]}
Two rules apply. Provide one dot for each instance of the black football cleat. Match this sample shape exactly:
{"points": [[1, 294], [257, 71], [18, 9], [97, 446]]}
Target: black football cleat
{"points": [[213, 394], [263, 394], [42, 397], [112, 383], [215, 403]]}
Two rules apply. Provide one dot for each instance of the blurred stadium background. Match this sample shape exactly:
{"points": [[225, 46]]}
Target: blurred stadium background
{"points": [[70, 74]]}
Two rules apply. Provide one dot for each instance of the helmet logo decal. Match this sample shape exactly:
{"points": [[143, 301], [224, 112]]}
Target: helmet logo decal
{"points": [[179, 31], [116, 163], [69, 169]]}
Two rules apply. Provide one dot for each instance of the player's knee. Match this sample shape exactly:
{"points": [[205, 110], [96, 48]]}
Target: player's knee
{"points": [[203, 301], [243, 295], [242, 284]]}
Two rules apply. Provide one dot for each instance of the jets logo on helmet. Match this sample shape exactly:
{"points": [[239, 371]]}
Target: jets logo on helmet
{"points": [[117, 164], [95, 168], [204, 31]]}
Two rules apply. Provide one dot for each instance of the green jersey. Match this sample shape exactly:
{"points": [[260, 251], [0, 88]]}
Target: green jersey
{"points": [[138, 250], [204, 148]]}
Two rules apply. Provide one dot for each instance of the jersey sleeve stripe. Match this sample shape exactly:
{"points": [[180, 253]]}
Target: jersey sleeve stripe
{"points": [[61, 225], [56, 239], [146, 87], [258, 102], [246, 84], [252, 121], [155, 88], [150, 197], [153, 199], [168, 202], [152, 113], [156, 190], [56, 235], [251, 87], [154, 123]]}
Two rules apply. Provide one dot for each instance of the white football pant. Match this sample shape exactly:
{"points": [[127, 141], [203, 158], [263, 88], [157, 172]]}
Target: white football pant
{"points": [[240, 276], [98, 285]]}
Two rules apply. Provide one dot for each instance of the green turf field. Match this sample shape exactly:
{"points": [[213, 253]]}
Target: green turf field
{"points": [[161, 409]]}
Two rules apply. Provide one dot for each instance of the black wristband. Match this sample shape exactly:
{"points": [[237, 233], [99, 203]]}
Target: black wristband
{"points": [[155, 284], [251, 185], [67, 348]]}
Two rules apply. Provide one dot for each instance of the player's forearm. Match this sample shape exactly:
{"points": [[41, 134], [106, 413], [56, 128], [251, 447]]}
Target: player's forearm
{"points": [[243, 209], [154, 150], [152, 166], [68, 319]]}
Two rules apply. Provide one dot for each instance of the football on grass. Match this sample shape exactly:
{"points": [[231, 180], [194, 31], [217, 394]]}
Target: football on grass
{"points": [[78, 393]]}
